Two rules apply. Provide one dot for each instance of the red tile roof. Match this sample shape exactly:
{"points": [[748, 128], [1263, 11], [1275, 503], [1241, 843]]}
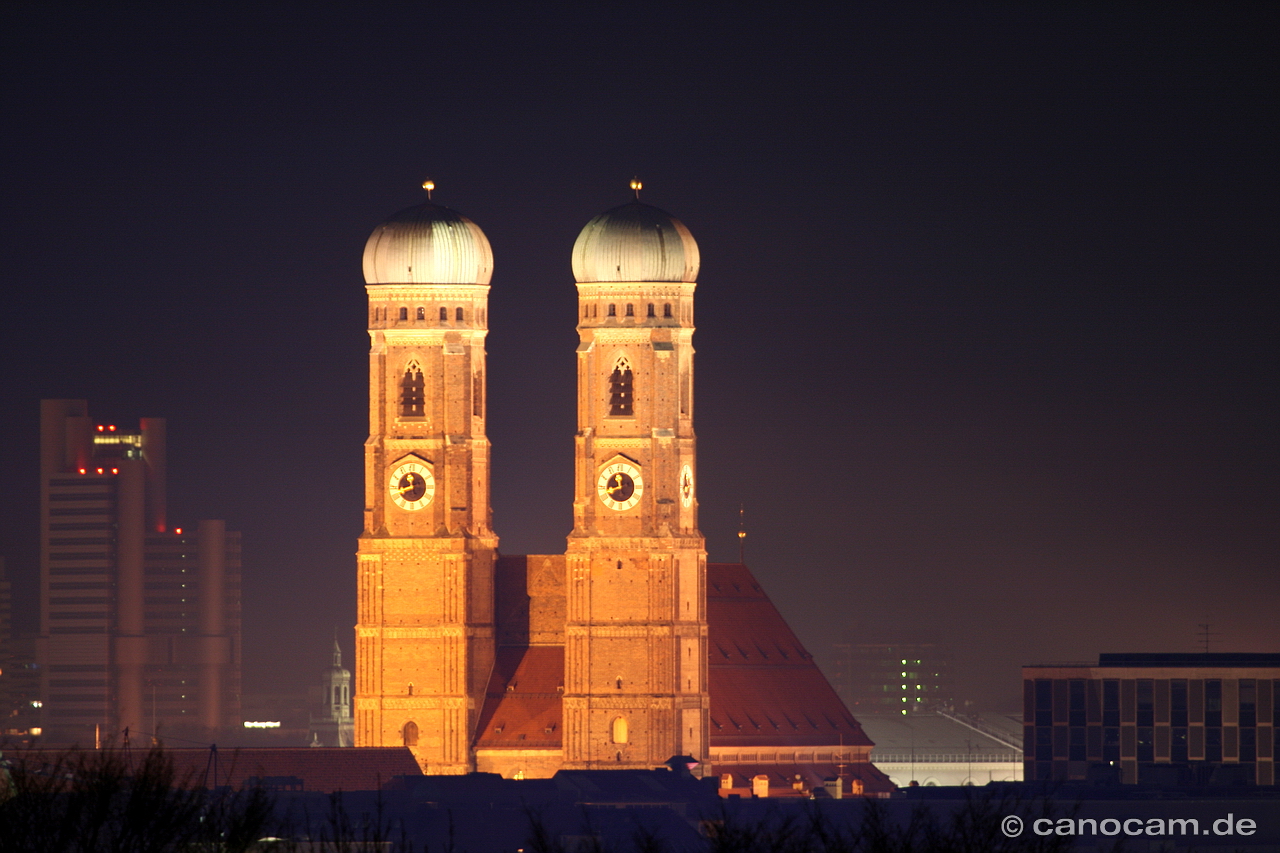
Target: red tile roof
{"points": [[765, 688], [522, 706], [325, 769]]}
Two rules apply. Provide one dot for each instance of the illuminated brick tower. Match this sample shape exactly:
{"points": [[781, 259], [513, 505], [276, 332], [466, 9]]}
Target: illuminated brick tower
{"points": [[424, 636], [635, 689]]}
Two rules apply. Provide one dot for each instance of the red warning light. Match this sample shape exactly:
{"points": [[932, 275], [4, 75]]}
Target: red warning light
{"points": [[111, 428], [177, 530], [101, 428], [83, 471], [115, 470], [99, 470]]}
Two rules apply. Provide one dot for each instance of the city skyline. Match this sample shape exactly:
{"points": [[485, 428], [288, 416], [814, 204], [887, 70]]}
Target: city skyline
{"points": [[986, 321]]}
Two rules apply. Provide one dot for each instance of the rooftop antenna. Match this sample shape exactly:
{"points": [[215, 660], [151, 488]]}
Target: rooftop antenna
{"points": [[428, 185], [636, 186], [1205, 634], [742, 535]]}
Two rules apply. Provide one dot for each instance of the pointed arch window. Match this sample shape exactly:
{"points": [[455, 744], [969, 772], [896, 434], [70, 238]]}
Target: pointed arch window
{"points": [[477, 394], [410, 733], [412, 391], [621, 389]]}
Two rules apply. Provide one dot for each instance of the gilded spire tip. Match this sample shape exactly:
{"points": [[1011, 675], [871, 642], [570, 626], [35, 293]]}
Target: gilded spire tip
{"points": [[636, 186], [428, 185]]}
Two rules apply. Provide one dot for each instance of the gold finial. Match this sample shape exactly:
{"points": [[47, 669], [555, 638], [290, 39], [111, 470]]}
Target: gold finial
{"points": [[636, 186], [742, 534], [428, 185]]}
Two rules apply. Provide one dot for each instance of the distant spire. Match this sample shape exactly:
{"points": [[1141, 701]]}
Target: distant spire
{"points": [[337, 650], [428, 185], [636, 186]]}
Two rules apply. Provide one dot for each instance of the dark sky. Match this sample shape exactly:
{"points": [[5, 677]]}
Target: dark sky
{"points": [[987, 317]]}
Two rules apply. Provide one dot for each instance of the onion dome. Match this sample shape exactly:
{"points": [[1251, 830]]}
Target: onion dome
{"points": [[428, 244], [635, 242]]}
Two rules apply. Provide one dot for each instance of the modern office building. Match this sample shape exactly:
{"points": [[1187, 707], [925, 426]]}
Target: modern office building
{"points": [[1172, 719], [139, 620]]}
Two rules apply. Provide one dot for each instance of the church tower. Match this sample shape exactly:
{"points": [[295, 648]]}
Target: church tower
{"points": [[636, 628], [425, 639]]}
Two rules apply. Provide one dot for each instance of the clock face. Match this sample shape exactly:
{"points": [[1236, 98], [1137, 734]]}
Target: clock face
{"points": [[620, 486], [686, 486], [412, 485]]}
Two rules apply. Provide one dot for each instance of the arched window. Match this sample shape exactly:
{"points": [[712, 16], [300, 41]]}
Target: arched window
{"points": [[444, 314], [412, 392], [613, 310], [619, 729], [621, 390], [410, 733], [631, 310], [666, 310], [458, 315], [651, 314], [586, 311], [422, 313], [404, 313]]}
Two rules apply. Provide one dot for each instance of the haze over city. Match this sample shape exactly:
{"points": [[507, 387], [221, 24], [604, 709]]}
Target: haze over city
{"points": [[986, 320]]}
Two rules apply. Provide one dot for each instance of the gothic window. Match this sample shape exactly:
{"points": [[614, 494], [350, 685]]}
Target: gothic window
{"points": [[613, 310], [619, 730], [422, 313], [444, 315], [410, 733], [477, 394], [666, 310], [457, 315], [412, 392], [404, 313], [631, 310], [586, 311], [621, 390], [651, 314]]}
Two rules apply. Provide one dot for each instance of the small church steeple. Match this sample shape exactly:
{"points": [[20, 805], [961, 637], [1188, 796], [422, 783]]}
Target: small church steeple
{"points": [[331, 720]]}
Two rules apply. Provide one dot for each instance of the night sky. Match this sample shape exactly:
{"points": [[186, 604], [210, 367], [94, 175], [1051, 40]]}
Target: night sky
{"points": [[987, 316]]}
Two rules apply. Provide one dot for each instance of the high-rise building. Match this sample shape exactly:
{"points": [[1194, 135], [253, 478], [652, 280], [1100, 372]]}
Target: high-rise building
{"points": [[897, 674], [139, 622], [606, 656]]}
